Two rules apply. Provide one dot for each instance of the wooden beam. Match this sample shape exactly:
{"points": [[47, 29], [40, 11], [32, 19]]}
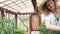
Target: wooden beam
{"points": [[10, 12], [16, 20], [34, 2], [30, 17], [2, 12], [18, 13], [30, 22], [1, 9], [39, 18]]}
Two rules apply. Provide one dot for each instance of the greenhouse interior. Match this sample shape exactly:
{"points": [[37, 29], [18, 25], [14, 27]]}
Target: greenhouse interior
{"points": [[20, 16]]}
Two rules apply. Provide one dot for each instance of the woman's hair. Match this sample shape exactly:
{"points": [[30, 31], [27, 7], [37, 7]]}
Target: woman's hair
{"points": [[45, 6]]}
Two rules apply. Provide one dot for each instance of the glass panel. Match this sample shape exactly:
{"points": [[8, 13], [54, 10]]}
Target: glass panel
{"points": [[35, 22], [15, 0], [27, 2], [5, 7], [1, 5], [11, 16], [3, 0], [19, 2], [8, 2], [9, 8], [23, 22], [18, 6]]}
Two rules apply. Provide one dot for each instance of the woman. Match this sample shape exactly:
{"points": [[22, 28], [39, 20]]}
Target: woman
{"points": [[48, 16], [51, 7]]}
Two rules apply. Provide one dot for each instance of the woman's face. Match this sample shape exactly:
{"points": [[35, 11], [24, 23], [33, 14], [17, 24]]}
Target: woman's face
{"points": [[50, 4]]}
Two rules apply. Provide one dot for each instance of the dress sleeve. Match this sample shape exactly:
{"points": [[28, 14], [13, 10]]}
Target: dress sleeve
{"points": [[42, 18]]}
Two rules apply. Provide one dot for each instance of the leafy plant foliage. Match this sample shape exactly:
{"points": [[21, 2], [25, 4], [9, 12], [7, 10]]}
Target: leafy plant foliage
{"points": [[8, 26], [43, 30]]}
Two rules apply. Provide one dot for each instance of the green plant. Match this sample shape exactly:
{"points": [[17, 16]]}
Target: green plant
{"points": [[57, 17], [43, 30], [19, 31], [8, 26]]}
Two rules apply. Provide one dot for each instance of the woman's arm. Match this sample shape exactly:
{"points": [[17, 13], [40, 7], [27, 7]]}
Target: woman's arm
{"points": [[51, 27]]}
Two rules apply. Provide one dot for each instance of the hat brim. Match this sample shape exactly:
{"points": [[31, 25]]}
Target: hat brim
{"points": [[41, 5]]}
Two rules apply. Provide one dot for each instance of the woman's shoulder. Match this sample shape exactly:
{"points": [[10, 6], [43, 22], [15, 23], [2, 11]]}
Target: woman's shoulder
{"points": [[49, 15]]}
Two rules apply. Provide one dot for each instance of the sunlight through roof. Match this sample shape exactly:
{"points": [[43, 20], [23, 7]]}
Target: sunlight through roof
{"points": [[18, 5]]}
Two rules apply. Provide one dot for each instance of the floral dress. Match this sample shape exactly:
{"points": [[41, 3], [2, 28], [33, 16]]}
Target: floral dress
{"points": [[54, 21]]}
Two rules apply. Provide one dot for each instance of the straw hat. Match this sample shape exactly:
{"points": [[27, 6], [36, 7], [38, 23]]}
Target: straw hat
{"points": [[41, 5]]}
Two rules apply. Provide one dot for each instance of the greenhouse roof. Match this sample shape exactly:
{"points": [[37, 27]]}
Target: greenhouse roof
{"points": [[18, 5]]}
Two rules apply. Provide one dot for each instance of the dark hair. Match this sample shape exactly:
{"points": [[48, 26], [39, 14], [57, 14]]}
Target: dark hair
{"points": [[45, 6]]}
